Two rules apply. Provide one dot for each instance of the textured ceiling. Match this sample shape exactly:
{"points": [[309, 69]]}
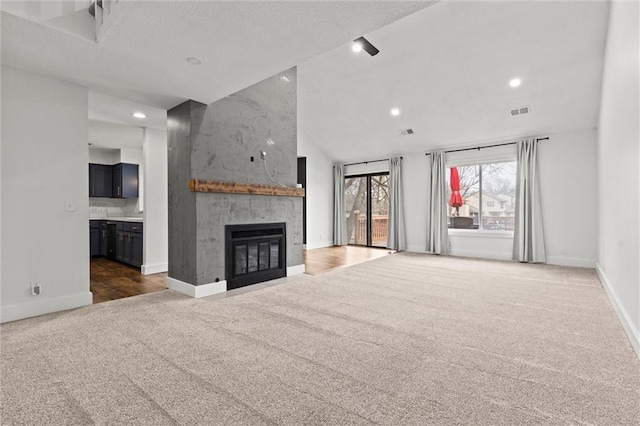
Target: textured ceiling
{"points": [[447, 68], [143, 55]]}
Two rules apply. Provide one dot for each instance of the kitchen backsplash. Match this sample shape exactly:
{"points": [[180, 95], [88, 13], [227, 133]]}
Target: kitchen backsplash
{"points": [[112, 207]]}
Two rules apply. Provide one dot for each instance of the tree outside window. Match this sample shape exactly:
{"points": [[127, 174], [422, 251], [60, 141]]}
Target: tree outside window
{"points": [[488, 193]]}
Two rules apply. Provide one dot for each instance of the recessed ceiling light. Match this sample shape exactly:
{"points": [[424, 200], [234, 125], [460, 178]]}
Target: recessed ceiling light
{"points": [[194, 61], [515, 82], [357, 47], [395, 112], [139, 115]]}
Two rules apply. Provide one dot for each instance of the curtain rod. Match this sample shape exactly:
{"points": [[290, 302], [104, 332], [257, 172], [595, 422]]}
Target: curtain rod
{"points": [[487, 146], [367, 162]]}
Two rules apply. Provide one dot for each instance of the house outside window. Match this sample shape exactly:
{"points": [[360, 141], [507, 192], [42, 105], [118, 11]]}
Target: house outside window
{"points": [[488, 192]]}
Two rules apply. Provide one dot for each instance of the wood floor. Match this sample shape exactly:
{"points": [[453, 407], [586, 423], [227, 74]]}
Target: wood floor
{"points": [[112, 280], [326, 259]]}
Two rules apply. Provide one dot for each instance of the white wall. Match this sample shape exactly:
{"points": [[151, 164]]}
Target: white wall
{"points": [[156, 233], [569, 200], [415, 191], [318, 193], [618, 163], [131, 155], [44, 164], [103, 155], [569, 182]]}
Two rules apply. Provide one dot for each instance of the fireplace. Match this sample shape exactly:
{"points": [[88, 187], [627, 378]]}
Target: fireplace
{"points": [[255, 253]]}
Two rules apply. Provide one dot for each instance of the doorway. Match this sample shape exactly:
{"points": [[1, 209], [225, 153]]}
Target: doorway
{"points": [[367, 209], [302, 180]]}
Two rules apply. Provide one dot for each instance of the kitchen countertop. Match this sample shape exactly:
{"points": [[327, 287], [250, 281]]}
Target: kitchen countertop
{"points": [[119, 219]]}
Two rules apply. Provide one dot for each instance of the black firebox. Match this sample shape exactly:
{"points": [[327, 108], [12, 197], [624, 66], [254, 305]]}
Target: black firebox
{"points": [[255, 253]]}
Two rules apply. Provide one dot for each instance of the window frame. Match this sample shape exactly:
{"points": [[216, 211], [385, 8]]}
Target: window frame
{"points": [[369, 206], [481, 232]]}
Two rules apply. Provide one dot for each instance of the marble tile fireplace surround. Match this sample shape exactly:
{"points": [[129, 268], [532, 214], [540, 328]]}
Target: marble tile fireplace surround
{"points": [[221, 188]]}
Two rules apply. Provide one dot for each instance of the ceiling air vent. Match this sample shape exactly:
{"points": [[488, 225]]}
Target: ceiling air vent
{"points": [[406, 132], [519, 111]]}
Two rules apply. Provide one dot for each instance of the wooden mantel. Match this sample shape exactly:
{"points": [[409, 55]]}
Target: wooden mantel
{"points": [[196, 185]]}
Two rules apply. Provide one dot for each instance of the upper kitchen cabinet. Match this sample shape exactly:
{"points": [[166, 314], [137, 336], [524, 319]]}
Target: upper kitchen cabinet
{"points": [[100, 180], [125, 181]]}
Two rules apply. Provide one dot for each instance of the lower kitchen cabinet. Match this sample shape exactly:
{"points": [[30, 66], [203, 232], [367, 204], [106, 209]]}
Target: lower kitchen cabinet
{"points": [[136, 249], [121, 246], [120, 241], [103, 239], [94, 246], [112, 238]]}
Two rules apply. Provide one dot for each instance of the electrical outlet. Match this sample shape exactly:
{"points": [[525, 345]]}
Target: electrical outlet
{"points": [[35, 288]]}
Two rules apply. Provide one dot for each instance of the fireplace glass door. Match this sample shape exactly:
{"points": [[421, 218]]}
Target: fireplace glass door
{"points": [[255, 253]]}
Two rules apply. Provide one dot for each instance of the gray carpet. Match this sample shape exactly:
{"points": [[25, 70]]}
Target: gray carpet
{"points": [[405, 339]]}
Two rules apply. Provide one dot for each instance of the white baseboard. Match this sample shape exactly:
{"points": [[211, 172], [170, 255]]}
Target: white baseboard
{"points": [[551, 260], [295, 270], [197, 291], [571, 261], [154, 269], [416, 249], [318, 244], [481, 254], [627, 324], [43, 306]]}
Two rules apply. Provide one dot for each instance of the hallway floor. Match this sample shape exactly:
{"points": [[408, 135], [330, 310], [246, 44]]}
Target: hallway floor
{"points": [[111, 280]]}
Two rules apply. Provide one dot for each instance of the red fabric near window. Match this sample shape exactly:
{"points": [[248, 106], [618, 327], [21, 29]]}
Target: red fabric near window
{"points": [[454, 182]]}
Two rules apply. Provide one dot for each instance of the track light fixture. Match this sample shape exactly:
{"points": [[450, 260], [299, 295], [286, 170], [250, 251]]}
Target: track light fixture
{"points": [[363, 44]]}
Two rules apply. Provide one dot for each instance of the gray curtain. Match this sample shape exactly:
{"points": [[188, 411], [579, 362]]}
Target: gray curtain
{"points": [[396, 237], [437, 232], [339, 217], [528, 236]]}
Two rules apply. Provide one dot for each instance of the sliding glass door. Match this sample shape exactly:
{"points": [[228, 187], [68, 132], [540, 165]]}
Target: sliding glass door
{"points": [[367, 209]]}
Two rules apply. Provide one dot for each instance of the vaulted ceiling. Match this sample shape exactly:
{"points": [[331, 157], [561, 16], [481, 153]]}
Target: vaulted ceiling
{"points": [[143, 56], [446, 66]]}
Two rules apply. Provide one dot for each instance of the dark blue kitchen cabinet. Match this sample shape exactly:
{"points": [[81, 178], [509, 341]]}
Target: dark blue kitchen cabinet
{"points": [[120, 241], [98, 237], [117, 181], [100, 180], [125, 181], [104, 239], [135, 245], [94, 236], [112, 238]]}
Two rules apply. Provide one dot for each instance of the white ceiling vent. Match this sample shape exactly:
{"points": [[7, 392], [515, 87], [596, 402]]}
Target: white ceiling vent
{"points": [[406, 132], [520, 111]]}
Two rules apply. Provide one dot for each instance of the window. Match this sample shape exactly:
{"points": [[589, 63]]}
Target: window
{"points": [[367, 209], [488, 193]]}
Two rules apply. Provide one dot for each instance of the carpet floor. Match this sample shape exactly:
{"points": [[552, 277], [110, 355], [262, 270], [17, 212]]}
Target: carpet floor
{"points": [[406, 339]]}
